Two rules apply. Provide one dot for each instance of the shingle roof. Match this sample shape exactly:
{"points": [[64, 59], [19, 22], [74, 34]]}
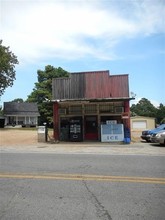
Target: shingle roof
{"points": [[21, 108]]}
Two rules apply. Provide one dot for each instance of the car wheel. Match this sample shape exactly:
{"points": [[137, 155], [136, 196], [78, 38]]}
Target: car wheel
{"points": [[162, 143]]}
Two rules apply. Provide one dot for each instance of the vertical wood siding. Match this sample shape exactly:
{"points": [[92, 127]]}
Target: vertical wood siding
{"points": [[91, 85], [77, 85], [61, 88]]}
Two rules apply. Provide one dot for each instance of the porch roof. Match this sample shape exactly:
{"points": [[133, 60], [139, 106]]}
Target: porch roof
{"points": [[94, 100]]}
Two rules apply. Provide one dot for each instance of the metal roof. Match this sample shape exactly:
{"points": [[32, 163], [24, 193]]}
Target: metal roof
{"points": [[95, 100], [21, 109]]}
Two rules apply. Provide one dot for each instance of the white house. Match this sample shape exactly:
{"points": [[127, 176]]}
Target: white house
{"points": [[21, 113]]}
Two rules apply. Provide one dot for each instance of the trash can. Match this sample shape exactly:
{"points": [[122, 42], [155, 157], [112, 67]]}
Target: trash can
{"points": [[127, 139]]}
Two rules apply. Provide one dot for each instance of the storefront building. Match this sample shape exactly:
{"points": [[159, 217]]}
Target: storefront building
{"points": [[91, 106]]}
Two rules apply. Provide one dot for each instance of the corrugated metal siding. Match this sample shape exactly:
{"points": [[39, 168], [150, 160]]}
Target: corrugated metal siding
{"points": [[119, 86], [69, 88], [102, 85], [77, 86], [91, 85], [61, 88], [97, 85]]}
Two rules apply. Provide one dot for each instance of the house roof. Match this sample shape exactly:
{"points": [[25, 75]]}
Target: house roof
{"points": [[90, 85], [21, 109]]}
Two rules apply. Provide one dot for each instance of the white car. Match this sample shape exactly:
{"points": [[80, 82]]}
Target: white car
{"points": [[158, 137], [162, 138]]}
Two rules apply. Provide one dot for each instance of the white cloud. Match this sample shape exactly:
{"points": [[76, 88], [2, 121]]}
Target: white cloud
{"points": [[70, 29]]}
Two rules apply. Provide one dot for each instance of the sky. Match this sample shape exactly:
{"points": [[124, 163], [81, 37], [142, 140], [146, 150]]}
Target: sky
{"points": [[122, 36]]}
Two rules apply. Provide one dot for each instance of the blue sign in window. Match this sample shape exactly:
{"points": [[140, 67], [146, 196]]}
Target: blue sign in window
{"points": [[112, 129]]}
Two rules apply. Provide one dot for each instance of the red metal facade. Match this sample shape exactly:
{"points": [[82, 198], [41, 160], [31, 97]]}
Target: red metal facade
{"points": [[102, 85]]}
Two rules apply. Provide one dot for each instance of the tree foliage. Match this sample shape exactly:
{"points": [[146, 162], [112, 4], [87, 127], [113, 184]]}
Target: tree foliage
{"points": [[145, 108], [42, 92], [1, 111], [161, 114], [7, 67], [20, 100]]}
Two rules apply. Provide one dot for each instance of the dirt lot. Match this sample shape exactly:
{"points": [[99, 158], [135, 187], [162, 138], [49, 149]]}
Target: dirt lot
{"points": [[18, 137], [11, 137], [23, 139]]}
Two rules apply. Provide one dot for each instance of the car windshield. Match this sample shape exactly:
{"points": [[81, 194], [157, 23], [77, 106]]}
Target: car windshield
{"points": [[161, 126]]}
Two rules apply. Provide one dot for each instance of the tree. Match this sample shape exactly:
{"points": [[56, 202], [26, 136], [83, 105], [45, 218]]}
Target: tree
{"points": [[144, 108], [162, 121], [7, 64], [20, 100], [161, 114], [1, 111], [42, 92]]}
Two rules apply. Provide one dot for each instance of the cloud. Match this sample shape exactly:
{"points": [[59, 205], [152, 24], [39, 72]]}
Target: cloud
{"points": [[74, 29]]}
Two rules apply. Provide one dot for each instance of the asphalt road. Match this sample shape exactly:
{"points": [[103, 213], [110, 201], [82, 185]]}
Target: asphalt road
{"points": [[81, 186]]}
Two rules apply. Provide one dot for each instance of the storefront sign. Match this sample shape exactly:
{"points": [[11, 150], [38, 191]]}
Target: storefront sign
{"points": [[112, 138], [111, 122], [125, 115]]}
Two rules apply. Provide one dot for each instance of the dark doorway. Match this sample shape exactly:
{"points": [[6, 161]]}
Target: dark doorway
{"points": [[91, 128], [64, 129]]}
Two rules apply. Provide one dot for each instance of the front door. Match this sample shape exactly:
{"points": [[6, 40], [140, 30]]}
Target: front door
{"points": [[91, 128]]}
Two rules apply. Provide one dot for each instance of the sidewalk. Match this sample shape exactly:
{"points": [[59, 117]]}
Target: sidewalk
{"points": [[140, 148]]}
